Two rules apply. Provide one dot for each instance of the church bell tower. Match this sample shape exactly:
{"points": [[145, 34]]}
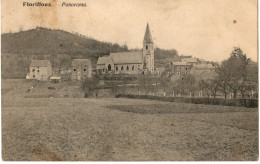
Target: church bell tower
{"points": [[148, 51]]}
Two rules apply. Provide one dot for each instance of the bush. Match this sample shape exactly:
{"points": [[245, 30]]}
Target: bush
{"points": [[250, 103]]}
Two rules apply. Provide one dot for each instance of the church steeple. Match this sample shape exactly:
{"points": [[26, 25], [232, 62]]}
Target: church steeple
{"points": [[148, 51], [147, 36]]}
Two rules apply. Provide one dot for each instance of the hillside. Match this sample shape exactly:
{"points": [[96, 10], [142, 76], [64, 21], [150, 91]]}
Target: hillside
{"points": [[47, 41]]}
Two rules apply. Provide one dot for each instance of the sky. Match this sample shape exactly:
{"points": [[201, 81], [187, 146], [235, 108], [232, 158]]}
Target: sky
{"points": [[207, 29]]}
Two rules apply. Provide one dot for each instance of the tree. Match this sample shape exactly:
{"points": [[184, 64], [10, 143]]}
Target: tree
{"points": [[211, 86], [224, 77], [233, 73]]}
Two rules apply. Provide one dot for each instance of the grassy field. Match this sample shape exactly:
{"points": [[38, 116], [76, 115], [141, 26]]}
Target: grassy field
{"points": [[125, 129]]}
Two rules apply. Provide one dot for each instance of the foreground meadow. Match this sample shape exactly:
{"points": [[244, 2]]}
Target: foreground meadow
{"points": [[125, 129]]}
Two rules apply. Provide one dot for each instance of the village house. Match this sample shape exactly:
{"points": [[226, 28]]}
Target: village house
{"points": [[134, 62], [203, 71], [40, 70], [179, 69], [81, 69]]}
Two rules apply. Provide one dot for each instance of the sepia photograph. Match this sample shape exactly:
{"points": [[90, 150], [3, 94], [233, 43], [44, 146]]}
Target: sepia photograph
{"points": [[129, 80]]}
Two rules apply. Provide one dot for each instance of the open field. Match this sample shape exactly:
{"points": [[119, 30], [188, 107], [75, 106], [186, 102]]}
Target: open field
{"points": [[125, 129]]}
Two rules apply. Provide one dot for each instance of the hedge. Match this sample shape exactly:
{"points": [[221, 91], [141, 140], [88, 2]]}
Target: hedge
{"points": [[250, 103]]}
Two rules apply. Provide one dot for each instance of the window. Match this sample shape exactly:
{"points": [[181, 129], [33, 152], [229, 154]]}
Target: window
{"points": [[33, 76], [127, 68], [84, 69], [186, 68], [74, 69], [133, 67], [147, 47], [109, 67], [33, 70], [116, 68], [38, 71], [122, 68]]}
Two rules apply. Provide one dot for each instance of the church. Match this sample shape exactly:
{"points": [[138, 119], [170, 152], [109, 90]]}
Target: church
{"points": [[133, 62]]}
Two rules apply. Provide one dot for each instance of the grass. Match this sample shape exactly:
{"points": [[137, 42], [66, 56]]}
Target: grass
{"points": [[125, 129]]}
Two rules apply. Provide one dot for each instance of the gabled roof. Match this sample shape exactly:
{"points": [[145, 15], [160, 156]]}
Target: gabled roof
{"points": [[76, 62], [180, 63], [147, 36], [40, 63], [203, 66], [135, 57]]}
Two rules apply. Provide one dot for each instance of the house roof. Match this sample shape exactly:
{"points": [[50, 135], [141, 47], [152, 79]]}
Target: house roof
{"points": [[40, 63], [147, 36], [103, 60], [77, 62], [127, 57], [190, 60], [203, 66], [185, 56], [180, 63]]}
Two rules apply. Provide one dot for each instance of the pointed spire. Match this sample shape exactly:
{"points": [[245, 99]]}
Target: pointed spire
{"points": [[148, 37]]}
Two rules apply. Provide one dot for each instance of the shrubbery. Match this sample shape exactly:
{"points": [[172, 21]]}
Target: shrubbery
{"points": [[250, 103]]}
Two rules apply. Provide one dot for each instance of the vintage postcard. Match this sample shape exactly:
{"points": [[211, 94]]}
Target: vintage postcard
{"points": [[129, 80]]}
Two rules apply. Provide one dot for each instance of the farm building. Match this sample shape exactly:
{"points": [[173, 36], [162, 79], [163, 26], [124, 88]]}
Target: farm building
{"points": [[81, 69], [40, 70], [135, 62]]}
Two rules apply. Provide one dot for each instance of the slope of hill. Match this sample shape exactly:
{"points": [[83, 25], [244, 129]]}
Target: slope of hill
{"points": [[47, 41]]}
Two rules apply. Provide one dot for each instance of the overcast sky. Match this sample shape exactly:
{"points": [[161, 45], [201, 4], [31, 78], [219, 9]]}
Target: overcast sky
{"points": [[203, 28]]}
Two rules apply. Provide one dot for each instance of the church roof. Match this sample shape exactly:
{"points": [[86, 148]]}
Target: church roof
{"points": [[40, 63], [147, 36], [133, 57]]}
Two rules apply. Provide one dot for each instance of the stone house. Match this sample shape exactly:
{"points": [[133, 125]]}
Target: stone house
{"points": [[81, 69], [40, 70], [179, 70]]}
